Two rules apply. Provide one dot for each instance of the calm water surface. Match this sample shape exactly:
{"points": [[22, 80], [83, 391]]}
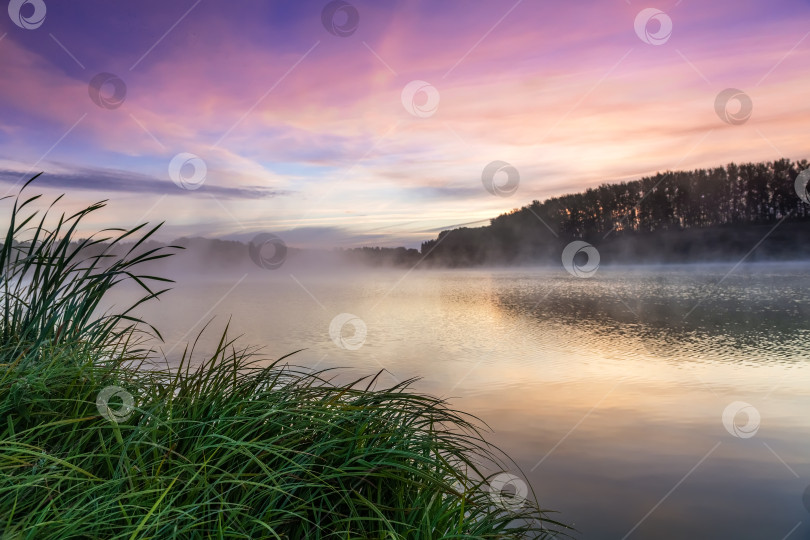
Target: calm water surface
{"points": [[608, 392]]}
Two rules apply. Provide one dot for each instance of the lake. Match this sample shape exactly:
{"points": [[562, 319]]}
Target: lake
{"points": [[666, 402]]}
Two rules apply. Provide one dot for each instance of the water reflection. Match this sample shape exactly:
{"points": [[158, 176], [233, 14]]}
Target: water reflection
{"points": [[608, 392]]}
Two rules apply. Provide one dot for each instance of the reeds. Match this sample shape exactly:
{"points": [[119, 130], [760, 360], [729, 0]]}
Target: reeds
{"points": [[227, 447]]}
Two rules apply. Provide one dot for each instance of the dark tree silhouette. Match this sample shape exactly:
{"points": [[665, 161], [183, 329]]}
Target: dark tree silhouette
{"points": [[692, 203]]}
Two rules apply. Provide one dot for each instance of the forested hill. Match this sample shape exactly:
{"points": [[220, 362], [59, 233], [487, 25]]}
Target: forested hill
{"points": [[684, 216]]}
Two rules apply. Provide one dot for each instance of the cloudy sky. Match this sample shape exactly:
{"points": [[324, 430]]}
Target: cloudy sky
{"points": [[371, 123]]}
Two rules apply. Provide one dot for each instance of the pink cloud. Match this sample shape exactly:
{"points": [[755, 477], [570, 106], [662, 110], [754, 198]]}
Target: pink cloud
{"points": [[570, 95]]}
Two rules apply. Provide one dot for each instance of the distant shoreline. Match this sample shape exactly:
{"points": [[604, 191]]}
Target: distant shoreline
{"points": [[722, 245]]}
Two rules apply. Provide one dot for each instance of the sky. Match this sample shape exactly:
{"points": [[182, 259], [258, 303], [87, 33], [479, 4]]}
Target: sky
{"points": [[340, 124]]}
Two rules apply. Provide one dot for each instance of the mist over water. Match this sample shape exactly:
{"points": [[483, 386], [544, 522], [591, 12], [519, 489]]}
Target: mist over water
{"points": [[611, 393], [601, 203]]}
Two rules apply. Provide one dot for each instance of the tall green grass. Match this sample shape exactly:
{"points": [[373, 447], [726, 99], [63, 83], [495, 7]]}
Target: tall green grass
{"points": [[220, 447]]}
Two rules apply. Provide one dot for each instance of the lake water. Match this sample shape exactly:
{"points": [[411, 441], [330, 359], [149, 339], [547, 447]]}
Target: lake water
{"points": [[610, 393]]}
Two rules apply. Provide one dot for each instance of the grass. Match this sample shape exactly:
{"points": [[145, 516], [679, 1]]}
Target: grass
{"points": [[223, 447]]}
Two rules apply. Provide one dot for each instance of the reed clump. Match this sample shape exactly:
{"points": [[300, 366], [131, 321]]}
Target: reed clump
{"points": [[99, 439]]}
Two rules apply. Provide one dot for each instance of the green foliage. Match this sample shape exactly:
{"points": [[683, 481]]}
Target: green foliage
{"points": [[52, 285], [222, 448]]}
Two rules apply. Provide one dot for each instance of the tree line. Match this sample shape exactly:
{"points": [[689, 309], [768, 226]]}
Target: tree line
{"points": [[676, 205]]}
